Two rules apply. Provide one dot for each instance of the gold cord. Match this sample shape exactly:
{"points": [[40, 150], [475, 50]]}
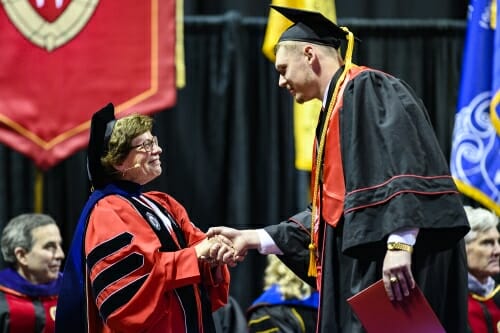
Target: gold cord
{"points": [[319, 154]]}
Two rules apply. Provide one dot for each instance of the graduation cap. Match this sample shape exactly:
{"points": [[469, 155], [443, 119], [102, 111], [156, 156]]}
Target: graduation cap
{"points": [[101, 128], [311, 27]]}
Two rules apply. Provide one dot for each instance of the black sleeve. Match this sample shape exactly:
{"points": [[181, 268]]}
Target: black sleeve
{"points": [[293, 237], [396, 175], [4, 313]]}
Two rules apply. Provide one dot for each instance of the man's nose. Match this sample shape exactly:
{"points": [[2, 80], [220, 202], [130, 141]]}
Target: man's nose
{"points": [[59, 253], [496, 249], [282, 82]]}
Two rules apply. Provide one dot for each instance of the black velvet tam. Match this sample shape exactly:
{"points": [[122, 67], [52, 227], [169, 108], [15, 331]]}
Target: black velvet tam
{"points": [[101, 128]]}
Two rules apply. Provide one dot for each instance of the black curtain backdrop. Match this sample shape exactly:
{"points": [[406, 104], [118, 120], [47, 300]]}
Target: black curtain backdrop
{"points": [[421, 9], [228, 144]]}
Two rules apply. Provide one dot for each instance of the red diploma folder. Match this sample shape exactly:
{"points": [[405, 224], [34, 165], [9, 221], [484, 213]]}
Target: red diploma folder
{"points": [[379, 314]]}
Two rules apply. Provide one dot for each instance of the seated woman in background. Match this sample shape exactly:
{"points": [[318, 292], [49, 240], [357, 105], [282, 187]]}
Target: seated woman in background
{"points": [[287, 305], [483, 254]]}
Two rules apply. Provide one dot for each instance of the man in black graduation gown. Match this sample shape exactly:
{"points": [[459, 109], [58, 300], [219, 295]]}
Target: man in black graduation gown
{"points": [[384, 205]]}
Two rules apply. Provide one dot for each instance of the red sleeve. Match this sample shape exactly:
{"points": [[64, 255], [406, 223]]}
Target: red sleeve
{"points": [[130, 276], [215, 280]]}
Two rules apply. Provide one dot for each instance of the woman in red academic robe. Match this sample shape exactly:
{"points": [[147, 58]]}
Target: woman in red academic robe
{"points": [[143, 257]]}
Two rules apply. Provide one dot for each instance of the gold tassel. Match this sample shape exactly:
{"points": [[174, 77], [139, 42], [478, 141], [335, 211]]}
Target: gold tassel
{"points": [[312, 261]]}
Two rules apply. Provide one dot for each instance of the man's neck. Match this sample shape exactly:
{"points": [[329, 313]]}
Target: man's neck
{"points": [[25, 275], [331, 85]]}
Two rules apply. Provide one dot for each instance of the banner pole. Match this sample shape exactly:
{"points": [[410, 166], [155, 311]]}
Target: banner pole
{"points": [[38, 191]]}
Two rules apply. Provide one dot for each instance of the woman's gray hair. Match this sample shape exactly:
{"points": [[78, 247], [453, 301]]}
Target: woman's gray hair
{"points": [[17, 233], [480, 220]]}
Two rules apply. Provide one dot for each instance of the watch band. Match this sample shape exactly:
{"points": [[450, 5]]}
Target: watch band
{"points": [[397, 246]]}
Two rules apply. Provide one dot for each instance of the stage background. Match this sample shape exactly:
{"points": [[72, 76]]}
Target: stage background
{"points": [[228, 152]]}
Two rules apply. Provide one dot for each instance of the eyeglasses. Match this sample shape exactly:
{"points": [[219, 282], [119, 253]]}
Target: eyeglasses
{"points": [[148, 145]]}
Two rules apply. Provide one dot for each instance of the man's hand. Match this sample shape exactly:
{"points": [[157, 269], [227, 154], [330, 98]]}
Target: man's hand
{"points": [[397, 275], [242, 241]]}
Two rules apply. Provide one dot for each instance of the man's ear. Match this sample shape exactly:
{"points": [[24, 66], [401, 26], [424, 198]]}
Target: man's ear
{"points": [[20, 254], [309, 53]]}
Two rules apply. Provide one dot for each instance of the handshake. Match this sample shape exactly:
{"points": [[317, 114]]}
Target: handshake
{"points": [[225, 245]]}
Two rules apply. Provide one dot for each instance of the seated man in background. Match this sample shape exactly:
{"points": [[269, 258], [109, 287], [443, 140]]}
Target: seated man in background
{"points": [[483, 253], [31, 246], [288, 304]]}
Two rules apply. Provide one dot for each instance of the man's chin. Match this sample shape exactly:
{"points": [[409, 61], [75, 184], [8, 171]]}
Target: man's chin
{"points": [[301, 99], [49, 279]]}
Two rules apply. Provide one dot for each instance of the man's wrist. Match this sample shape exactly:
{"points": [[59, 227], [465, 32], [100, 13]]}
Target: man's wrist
{"points": [[266, 243]]}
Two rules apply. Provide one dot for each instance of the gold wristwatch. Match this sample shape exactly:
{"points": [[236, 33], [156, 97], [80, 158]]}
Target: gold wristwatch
{"points": [[396, 246]]}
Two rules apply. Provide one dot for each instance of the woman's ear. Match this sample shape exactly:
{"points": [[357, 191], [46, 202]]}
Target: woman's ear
{"points": [[119, 167]]}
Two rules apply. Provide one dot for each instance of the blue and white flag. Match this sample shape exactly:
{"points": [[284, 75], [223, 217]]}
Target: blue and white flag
{"points": [[475, 156]]}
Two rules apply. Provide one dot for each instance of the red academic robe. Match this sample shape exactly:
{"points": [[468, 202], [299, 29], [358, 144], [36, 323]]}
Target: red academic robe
{"points": [[27, 307], [484, 312], [136, 285], [22, 313]]}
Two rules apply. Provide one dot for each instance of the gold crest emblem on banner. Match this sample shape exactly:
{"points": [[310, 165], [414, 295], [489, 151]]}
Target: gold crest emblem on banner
{"points": [[69, 18]]}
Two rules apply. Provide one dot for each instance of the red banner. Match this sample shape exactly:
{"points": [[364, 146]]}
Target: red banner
{"points": [[62, 60]]}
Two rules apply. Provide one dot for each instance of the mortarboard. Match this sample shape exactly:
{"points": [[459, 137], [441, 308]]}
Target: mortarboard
{"points": [[101, 128], [311, 27]]}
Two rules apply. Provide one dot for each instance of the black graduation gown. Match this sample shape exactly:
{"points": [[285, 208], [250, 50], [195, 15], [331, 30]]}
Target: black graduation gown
{"points": [[386, 133]]}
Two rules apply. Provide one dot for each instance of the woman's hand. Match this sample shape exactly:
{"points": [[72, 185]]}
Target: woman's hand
{"points": [[216, 250]]}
